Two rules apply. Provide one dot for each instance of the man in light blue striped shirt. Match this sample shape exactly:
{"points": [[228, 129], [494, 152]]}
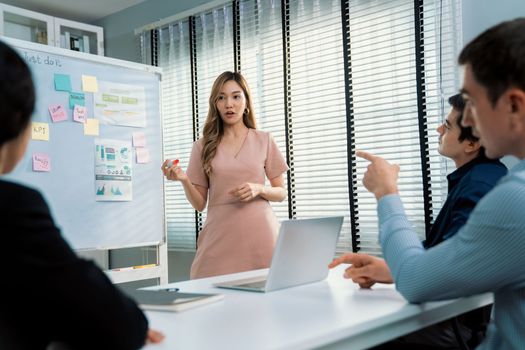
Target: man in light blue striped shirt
{"points": [[485, 255]]}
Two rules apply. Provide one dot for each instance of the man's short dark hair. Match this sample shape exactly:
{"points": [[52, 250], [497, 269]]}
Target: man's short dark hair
{"points": [[497, 58], [458, 103], [17, 94], [465, 133]]}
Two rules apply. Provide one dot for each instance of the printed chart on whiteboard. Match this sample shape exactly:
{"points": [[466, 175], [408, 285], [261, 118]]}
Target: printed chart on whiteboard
{"points": [[113, 170], [120, 104]]}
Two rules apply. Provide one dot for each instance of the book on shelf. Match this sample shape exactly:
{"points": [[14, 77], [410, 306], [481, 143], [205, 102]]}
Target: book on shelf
{"points": [[74, 43], [168, 300], [41, 36]]}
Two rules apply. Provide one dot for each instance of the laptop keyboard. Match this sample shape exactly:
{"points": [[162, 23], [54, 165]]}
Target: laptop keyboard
{"points": [[257, 284]]}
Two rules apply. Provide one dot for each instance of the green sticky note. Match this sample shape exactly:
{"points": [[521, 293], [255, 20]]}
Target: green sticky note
{"points": [[62, 82], [76, 98]]}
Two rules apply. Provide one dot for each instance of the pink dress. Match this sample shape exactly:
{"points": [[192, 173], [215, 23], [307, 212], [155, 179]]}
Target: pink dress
{"points": [[237, 236]]}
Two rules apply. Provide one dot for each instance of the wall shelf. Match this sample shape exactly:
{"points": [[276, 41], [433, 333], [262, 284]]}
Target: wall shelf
{"points": [[36, 27], [79, 36], [26, 25]]}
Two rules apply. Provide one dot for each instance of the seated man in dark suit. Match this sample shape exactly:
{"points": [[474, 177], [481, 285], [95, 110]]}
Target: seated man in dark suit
{"points": [[49, 295], [475, 175]]}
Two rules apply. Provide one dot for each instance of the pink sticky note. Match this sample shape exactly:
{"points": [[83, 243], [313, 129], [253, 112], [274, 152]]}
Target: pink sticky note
{"points": [[80, 114], [58, 113], [142, 155], [41, 162], [139, 139]]}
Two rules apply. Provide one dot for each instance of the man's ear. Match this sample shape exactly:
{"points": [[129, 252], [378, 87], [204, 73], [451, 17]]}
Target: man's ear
{"points": [[472, 147], [515, 100]]}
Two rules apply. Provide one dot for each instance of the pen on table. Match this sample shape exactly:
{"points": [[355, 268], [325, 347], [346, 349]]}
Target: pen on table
{"points": [[144, 266], [170, 289]]}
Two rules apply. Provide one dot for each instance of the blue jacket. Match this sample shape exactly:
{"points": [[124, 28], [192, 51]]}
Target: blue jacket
{"points": [[466, 186]]}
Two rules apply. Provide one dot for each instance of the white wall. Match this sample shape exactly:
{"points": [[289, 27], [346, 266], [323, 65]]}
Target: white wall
{"points": [[479, 15]]}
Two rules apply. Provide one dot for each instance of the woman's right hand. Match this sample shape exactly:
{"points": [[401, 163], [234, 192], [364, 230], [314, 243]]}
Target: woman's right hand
{"points": [[173, 171]]}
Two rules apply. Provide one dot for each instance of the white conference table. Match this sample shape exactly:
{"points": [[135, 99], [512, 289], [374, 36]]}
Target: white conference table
{"points": [[332, 314]]}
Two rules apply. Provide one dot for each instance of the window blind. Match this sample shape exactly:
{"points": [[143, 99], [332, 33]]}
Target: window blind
{"points": [[440, 43], [385, 94], [385, 105], [262, 66], [318, 113], [214, 55], [327, 78], [175, 59]]}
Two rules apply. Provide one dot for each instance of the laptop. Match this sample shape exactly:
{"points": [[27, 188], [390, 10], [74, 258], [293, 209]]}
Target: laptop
{"points": [[303, 251]]}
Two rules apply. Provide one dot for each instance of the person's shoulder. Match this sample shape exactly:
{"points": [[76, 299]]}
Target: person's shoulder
{"points": [[489, 172], [12, 192], [511, 189], [258, 138], [504, 203], [199, 144], [260, 134], [263, 137], [17, 200], [492, 165]]}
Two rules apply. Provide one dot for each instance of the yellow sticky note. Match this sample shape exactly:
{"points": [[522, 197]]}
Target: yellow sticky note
{"points": [[91, 127], [40, 131], [89, 83]]}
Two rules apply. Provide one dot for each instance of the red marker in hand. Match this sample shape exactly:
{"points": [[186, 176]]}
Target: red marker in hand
{"points": [[171, 163]]}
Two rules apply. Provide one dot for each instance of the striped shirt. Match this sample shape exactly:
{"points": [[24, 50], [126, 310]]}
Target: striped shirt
{"points": [[486, 255]]}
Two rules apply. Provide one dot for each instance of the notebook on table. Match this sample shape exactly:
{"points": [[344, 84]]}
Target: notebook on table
{"points": [[168, 300], [302, 253]]}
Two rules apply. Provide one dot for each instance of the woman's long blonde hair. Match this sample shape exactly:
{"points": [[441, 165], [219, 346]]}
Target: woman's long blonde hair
{"points": [[213, 127]]}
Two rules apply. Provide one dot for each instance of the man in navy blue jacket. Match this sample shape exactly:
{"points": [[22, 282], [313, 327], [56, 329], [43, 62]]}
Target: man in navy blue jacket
{"points": [[475, 175]]}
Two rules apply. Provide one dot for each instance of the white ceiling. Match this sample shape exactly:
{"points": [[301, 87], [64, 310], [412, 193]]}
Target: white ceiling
{"points": [[77, 10]]}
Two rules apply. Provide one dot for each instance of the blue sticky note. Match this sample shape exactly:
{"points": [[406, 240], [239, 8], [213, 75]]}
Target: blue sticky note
{"points": [[76, 98], [62, 82]]}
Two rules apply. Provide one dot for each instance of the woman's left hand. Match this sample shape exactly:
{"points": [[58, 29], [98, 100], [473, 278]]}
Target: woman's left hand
{"points": [[247, 191]]}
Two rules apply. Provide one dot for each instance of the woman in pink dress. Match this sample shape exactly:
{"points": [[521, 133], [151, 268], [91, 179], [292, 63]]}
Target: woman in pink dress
{"points": [[227, 171]]}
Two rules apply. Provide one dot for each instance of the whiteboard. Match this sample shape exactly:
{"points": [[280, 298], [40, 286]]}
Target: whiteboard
{"points": [[69, 187]]}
